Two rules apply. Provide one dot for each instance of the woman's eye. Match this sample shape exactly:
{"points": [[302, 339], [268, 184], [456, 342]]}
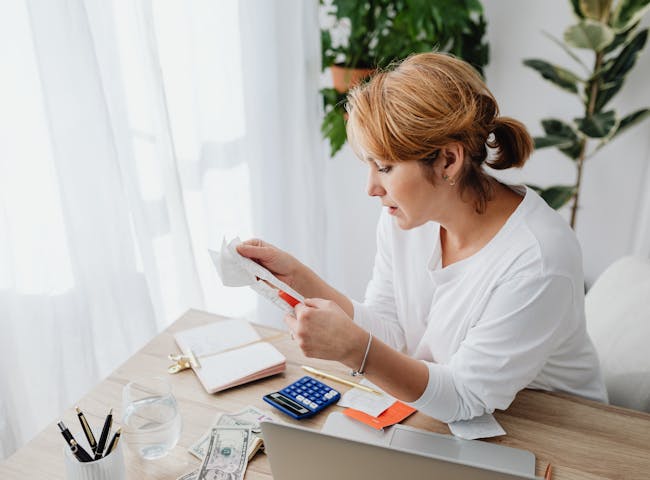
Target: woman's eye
{"points": [[384, 169]]}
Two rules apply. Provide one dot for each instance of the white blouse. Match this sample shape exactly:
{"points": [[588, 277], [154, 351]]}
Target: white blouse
{"points": [[508, 317]]}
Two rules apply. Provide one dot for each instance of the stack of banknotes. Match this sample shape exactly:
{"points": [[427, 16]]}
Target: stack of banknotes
{"points": [[228, 445]]}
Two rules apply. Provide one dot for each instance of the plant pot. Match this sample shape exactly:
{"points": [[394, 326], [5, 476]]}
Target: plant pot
{"points": [[346, 78]]}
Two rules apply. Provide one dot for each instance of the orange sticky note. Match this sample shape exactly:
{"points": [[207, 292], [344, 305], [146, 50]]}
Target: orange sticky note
{"points": [[397, 412]]}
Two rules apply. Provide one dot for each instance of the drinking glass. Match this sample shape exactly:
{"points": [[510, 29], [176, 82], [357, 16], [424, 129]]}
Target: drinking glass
{"points": [[152, 424]]}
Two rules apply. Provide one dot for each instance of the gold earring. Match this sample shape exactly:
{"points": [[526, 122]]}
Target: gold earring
{"points": [[445, 177]]}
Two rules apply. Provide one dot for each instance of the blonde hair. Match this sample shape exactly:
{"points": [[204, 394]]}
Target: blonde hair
{"points": [[411, 110]]}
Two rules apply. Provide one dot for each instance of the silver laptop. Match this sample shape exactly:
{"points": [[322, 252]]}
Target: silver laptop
{"points": [[297, 453]]}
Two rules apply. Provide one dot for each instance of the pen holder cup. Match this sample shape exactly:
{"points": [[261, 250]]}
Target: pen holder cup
{"points": [[110, 467]]}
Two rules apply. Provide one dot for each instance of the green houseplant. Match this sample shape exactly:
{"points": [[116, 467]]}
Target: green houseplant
{"points": [[371, 34], [612, 34]]}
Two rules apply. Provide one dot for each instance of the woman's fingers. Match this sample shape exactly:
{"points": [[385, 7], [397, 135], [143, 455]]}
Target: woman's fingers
{"points": [[255, 252], [255, 242], [317, 302], [292, 323]]}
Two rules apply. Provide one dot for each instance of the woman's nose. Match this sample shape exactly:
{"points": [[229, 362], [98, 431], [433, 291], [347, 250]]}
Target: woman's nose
{"points": [[374, 187]]}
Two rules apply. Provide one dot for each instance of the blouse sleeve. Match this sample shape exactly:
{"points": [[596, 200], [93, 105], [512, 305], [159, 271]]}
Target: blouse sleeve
{"points": [[524, 320], [378, 313]]}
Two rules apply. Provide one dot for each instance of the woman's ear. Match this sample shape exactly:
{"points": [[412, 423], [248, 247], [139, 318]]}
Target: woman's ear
{"points": [[452, 156]]}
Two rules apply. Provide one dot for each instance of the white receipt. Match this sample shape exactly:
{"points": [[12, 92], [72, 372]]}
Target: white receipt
{"points": [[238, 271], [367, 402], [484, 426]]}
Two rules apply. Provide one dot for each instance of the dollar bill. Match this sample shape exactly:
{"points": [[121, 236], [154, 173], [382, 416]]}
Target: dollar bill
{"points": [[248, 417], [226, 457]]}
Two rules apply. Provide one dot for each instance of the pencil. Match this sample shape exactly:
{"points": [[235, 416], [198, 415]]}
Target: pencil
{"points": [[340, 380], [549, 472]]}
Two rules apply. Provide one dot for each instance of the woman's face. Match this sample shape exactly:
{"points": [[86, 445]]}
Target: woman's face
{"points": [[404, 190]]}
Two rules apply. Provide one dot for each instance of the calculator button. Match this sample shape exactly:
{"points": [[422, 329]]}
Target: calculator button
{"points": [[313, 405], [306, 402], [300, 398]]}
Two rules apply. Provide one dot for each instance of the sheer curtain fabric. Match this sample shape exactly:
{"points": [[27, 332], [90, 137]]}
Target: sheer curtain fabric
{"points": [[133, 136]]}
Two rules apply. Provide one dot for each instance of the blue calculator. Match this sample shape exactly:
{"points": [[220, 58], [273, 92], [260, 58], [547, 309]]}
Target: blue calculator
{"points": [[303, 398]]}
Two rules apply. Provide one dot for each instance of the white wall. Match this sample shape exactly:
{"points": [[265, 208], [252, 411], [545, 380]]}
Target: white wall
{"points": [[615, 202]]}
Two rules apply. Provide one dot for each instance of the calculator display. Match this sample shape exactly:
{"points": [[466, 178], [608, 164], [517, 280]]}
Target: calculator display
{"points": [[286, 402]]}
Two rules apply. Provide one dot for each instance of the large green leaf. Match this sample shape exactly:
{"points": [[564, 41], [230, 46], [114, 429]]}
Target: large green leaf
{"points": [[621, 38], [576, 8], [616, 68], [631, 120], [333, 128], [556, 196], [552, 141], [589, 34], [561, 77], [628, 12], [557, 128], [606, 92], [596, 9], [599, 125], [625, 60]]}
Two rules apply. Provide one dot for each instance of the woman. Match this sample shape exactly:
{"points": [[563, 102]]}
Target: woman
{"points": [[477, 288]]}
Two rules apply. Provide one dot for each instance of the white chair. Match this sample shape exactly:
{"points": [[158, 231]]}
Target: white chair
{"points": [[618, 320]]}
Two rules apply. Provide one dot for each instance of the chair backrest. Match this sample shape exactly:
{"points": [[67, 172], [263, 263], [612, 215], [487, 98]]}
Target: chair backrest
{"points": [[617, 308]]}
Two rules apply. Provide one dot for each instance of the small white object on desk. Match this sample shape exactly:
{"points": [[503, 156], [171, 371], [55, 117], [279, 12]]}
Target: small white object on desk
{"points": [[485, 426], [369, 403]]}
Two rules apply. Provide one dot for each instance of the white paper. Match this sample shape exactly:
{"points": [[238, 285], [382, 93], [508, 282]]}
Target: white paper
{"points": [[238, 271], [213, 338], [367, 402], [484, 426]]}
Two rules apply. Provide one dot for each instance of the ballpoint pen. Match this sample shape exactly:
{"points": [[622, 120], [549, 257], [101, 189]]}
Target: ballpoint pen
{"points": [[114, 441], [340, 380], [87, 431], [104, 436], [77, 450]]}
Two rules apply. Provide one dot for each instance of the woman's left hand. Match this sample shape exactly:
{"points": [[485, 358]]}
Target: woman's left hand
{"points": [[323, 330]]}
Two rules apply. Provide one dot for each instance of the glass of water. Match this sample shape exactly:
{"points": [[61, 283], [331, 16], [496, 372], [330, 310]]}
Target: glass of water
{"points": [[152, 424]]}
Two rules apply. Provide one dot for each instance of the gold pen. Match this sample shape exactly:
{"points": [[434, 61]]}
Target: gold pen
{"points": [[87, 431], [340, 380]]}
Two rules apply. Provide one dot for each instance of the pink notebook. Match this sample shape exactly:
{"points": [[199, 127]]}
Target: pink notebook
{"points": [[229, 353]]}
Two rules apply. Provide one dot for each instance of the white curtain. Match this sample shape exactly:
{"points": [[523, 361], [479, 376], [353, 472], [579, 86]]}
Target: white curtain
{"points": [[133, 136]]}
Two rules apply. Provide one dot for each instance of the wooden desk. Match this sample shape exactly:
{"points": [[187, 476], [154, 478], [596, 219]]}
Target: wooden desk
{"points": [[582, 439]]}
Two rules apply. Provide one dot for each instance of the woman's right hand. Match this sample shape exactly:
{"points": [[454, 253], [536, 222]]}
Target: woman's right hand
{"points": [[278, 262]]}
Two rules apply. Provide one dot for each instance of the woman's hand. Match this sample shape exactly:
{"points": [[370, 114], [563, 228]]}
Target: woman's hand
{"points": [[323, 330], [278, 262]]}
